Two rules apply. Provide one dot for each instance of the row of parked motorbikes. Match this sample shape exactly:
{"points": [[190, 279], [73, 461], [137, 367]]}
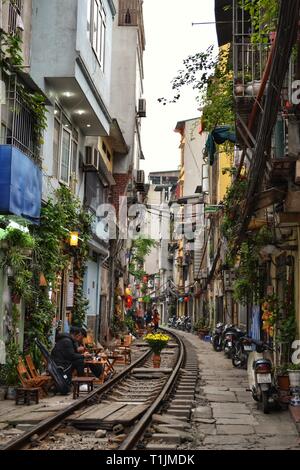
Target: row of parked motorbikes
{"points": [[181, 323], [253, 355]]}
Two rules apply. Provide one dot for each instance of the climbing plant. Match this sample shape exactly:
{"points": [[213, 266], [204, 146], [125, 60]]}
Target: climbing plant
{"points": [[51, 255], [11, 61], [141, 247], [211, 76], [263, 15]]}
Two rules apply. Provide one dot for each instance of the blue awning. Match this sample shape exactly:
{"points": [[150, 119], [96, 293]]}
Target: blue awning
{"points": [[20, 184]]}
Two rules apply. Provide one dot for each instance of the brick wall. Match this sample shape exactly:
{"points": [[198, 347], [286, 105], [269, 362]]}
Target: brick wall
{"points": [[119, 189]]}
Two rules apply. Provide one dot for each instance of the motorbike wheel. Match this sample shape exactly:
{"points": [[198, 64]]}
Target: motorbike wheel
{"points": [[265, 402], [216, 345], [237, 361]]}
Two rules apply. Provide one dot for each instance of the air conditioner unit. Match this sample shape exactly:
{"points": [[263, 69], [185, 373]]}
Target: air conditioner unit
{"points": [[142, 108], [140, 176], [91, 160]]}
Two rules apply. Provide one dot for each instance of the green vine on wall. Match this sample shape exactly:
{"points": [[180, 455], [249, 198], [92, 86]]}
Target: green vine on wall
{"points": [[264, 15], [11, 61], [46, 251], [141, 247]]}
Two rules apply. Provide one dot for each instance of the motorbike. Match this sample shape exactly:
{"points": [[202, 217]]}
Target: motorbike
{"points": [[188, 324], [231, 336], [243, 347], [172, 322], [261, 376], [217, 337], [178, 324]]}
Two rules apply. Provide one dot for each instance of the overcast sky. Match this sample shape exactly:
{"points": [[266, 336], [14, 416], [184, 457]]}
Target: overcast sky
{"points": [[170, 38]]}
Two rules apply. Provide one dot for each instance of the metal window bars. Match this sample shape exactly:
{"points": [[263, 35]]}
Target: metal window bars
{"points": [[20, 124], [249, 58], [15, 10]]}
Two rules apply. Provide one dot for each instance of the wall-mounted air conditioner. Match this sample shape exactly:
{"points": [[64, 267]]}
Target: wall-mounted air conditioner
{"points": [[140, 176], [91, 159], [142, 108]]}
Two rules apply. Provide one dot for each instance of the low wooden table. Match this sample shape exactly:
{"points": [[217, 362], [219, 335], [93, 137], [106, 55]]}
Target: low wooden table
{"points": [[77, 381], [25, 395]]}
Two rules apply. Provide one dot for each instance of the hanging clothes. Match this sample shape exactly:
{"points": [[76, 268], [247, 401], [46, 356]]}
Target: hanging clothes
{"points": [[218, 136]]}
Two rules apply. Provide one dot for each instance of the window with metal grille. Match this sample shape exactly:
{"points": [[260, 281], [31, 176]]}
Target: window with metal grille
{"points": [[17, 121], [128, 12], [15, 16]]}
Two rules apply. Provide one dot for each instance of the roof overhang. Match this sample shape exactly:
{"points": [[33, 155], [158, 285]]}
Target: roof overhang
{"points": [[116, 139]]}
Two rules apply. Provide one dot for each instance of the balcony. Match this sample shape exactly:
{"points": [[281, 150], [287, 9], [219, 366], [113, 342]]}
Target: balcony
{"points": [[14, 16], [18, 126]]}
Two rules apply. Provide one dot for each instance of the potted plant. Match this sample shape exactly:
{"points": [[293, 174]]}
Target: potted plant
{"points": [[283, 381], [294, 375], [201, 328], [9, 370], [157, 342]]}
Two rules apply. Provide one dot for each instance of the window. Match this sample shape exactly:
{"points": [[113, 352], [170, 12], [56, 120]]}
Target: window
{"points": [[128, 12], [155, 179], [97, 29], [65, 148]]}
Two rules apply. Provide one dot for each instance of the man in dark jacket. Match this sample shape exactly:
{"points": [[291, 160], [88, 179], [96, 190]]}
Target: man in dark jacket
{"points": [[65, 353]]}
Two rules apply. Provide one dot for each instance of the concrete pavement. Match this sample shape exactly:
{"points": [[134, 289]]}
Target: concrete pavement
{"points": [[226, 417]]}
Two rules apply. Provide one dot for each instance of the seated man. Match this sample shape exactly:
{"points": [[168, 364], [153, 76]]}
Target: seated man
{"points": [[67, 353]]}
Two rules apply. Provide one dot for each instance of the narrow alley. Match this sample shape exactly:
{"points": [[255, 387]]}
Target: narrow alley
{"points": [[226, 417]]}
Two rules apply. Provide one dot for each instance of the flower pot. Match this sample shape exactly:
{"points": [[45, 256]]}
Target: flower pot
{"points": [[239, 89], [294, 377], [156, 360], [283, 382]]}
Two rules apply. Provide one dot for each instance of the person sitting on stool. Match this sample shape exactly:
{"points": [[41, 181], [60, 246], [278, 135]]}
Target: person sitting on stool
{"points": [[68, 354]]}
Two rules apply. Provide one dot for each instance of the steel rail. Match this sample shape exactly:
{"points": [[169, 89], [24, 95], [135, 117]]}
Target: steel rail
{"points": [[47, 424], [134, 436]]}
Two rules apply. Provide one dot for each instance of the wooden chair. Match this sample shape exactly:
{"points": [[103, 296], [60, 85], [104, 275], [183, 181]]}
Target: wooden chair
{"points": [[26, 380], [45, 379]]}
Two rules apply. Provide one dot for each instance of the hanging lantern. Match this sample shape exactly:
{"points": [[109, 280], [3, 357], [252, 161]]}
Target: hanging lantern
{"points": [[181, 299], [42, 282], [74, 237], [128, 301], [186, 299]]}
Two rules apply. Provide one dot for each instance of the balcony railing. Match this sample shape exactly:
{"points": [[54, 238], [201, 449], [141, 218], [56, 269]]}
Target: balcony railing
{"points": [[249, 58], [15, 12], [18, 123]]}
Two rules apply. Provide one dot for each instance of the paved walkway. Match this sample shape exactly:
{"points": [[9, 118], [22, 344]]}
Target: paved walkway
{"points": [[226, 417]]}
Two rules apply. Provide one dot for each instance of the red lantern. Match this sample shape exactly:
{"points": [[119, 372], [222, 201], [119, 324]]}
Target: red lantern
{"points": [[186, 299], [128, 301]]}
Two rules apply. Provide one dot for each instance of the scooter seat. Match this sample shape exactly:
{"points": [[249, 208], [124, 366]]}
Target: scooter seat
{"points": [[262, 361]]}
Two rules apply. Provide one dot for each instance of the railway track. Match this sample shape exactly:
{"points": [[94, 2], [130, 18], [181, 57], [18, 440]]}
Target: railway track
{"points": [[125, 408]]}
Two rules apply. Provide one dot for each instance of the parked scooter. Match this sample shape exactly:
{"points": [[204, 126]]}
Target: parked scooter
{"points": [[243, 347], [217, 337], [188, 324], [172, 322], [261, 377], [231, 335]]}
